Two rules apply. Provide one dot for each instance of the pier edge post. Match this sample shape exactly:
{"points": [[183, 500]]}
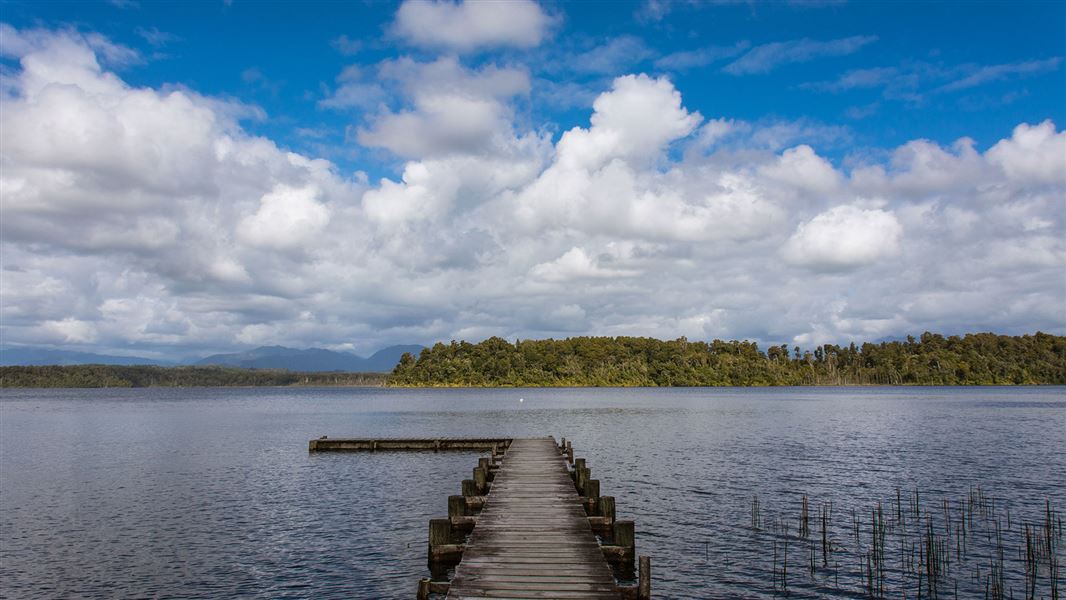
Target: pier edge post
{"points": [[440, 532], [470, 488], [625, 536], [456, 506], [644, 581], [591, 494], [581, 479], [606, 506]]}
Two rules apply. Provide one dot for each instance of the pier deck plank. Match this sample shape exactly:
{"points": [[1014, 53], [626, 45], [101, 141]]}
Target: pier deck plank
{"points": [[532, 538]]}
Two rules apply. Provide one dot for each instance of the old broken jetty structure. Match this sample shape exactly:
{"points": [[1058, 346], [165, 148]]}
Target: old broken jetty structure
{"points": [[530, 523]]}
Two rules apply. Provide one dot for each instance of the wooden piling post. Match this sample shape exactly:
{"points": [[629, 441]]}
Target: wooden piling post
{"points": [[581, 478], [575, 473], [644, 583], [440, 532], [423, 589], [484, 464], [592, 489], [456, 506], [601, 518], [481, 480], [606, 506], [591, 494], [470, 488], [625, 536], [441, 550]]}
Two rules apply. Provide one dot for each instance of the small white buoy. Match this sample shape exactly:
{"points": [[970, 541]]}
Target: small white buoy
{"points": [[521, 399]]}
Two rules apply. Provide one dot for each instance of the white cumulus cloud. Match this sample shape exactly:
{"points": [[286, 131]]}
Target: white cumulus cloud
{"points": [[576, 264], [1035, 152], [452, 109], [633, 121], [844, 237], [467, 25], [287, 218]]}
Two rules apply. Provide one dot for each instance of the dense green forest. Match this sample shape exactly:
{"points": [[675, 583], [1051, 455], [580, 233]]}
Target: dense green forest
{"points": [[932, 359], [73, 376]]}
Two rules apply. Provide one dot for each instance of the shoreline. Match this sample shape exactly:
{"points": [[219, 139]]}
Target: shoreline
{"points": [[531, 387]]}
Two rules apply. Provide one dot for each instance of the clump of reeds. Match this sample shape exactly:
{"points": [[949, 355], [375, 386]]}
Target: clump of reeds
{"points": [[899, 507], [1054, 578], [934, 557], [996, 586], [935, 544], [826, 518], [875, 558], [781, 576], [805, 522], [1041, 548]]}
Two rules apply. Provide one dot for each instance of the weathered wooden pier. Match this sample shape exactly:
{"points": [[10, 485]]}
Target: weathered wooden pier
{"points": [[324, 444], [527, 525]]}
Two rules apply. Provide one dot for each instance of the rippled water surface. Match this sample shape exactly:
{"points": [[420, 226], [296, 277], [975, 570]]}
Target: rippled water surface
{"points": [[206, 493]]}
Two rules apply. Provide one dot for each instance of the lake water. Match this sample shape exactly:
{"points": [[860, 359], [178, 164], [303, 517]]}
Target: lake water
{"points": [[207, 493]]}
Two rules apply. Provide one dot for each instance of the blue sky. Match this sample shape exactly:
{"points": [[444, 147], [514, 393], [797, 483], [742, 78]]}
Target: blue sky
{"points": [[285, 57], [355, 174]]}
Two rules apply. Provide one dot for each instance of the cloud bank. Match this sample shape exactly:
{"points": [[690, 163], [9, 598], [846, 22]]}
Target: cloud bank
{"points": [[149, 219]]}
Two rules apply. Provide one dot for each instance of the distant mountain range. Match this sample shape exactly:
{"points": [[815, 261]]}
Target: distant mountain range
{"points": [[24, 355], [311, 359], [265, 357]]}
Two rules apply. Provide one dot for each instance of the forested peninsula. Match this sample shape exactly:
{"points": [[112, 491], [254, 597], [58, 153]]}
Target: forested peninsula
{"points": [[96, 376], [932, 359]]}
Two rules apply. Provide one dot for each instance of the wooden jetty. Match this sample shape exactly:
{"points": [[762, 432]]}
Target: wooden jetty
{"points": [[324, 444], [527, 525], [534, 536]]}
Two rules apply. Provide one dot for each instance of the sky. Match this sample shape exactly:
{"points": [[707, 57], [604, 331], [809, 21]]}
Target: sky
{"points": [[178, 179]]}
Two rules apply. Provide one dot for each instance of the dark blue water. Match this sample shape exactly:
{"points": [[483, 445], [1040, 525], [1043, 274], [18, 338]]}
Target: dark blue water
{"points": [[204, 493]]}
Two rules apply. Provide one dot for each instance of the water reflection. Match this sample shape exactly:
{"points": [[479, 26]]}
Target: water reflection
{"points": [[207, 493]]}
